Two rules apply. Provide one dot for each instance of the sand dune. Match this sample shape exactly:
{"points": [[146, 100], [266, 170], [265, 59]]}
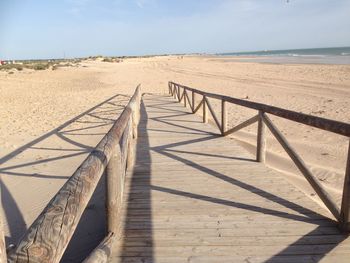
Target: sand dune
{"points": [[50, 120]]}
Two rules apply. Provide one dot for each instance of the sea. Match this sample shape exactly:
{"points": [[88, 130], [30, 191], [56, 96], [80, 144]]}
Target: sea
{"points": [[331, 55]]}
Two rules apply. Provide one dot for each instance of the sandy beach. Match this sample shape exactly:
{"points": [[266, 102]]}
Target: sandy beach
{"points": [[50, 120]]}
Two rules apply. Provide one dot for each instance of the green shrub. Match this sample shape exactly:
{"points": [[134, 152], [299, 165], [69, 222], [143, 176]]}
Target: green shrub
{"points": [[40, 66], [108, 60], [19, 67]]}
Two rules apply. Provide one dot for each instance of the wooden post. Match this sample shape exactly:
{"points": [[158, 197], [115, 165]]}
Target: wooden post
{"points": [[3, 256], [185, 100], [178, 93], [113, 174], [204, 105], [193, 100], [223, 117], [103, 251], [345, 205], [261, 140]]}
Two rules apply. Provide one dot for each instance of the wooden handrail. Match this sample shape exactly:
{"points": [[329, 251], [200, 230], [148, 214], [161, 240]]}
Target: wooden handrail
{"points": [[341, 128], [49, 235], [314, 121]]}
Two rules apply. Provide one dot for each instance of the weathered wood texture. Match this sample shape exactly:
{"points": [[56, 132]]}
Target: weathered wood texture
{"points": [[114, 185], [342, 214], [318, 122], [213, 113], [198, 197], [103, 251], [205, 112], [261, 140], [223, 117], [49, 235], [243, 125], [316, 185]]}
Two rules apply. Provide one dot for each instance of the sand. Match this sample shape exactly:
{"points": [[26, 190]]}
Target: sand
{"points": [[50, 120]]}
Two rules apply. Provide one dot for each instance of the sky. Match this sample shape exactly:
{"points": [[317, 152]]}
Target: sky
{"points": [[33, 29]]}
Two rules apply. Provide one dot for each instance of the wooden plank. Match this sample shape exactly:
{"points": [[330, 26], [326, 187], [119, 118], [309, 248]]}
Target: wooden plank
{"points": [[316, 218], [232, 232], [189, 198], [237, 259], [229, 241], [223, 225], [239, 250], [316, 185]]}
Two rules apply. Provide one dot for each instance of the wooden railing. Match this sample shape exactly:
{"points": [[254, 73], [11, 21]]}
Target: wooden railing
{"points": [[49, 235], [342, 215]]}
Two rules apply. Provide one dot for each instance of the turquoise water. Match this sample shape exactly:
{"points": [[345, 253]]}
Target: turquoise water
{"points": [[333, 55]]}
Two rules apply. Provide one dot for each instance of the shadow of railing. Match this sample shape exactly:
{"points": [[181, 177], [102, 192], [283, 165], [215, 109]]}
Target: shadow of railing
{"points": [[54, 157], [324, 225], [142, 170]]}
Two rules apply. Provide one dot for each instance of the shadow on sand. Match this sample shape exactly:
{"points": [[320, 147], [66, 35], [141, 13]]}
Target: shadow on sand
{"points": [[50, 160]]}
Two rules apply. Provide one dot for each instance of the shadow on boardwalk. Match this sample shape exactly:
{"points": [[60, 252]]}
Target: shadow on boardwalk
{"points": [[142, 154], [300, 248]]}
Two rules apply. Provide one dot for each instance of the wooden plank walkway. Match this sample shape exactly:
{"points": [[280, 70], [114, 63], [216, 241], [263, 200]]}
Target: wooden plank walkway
{"points": [[197, 197]]}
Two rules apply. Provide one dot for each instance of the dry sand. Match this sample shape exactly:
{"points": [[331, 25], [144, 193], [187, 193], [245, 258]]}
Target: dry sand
{"points": [[49, 120]]}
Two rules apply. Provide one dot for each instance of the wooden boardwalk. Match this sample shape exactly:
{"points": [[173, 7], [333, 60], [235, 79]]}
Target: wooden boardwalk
{"points": [[195, 196]]}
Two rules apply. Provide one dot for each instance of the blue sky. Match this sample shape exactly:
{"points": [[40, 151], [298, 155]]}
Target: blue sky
{"points": [[76, 28]]}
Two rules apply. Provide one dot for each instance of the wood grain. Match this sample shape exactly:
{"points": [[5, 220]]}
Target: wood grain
{"points": [[261, 140], [195, 196], [48, 236], [314, 121], [102, 252], [321, 192]]}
